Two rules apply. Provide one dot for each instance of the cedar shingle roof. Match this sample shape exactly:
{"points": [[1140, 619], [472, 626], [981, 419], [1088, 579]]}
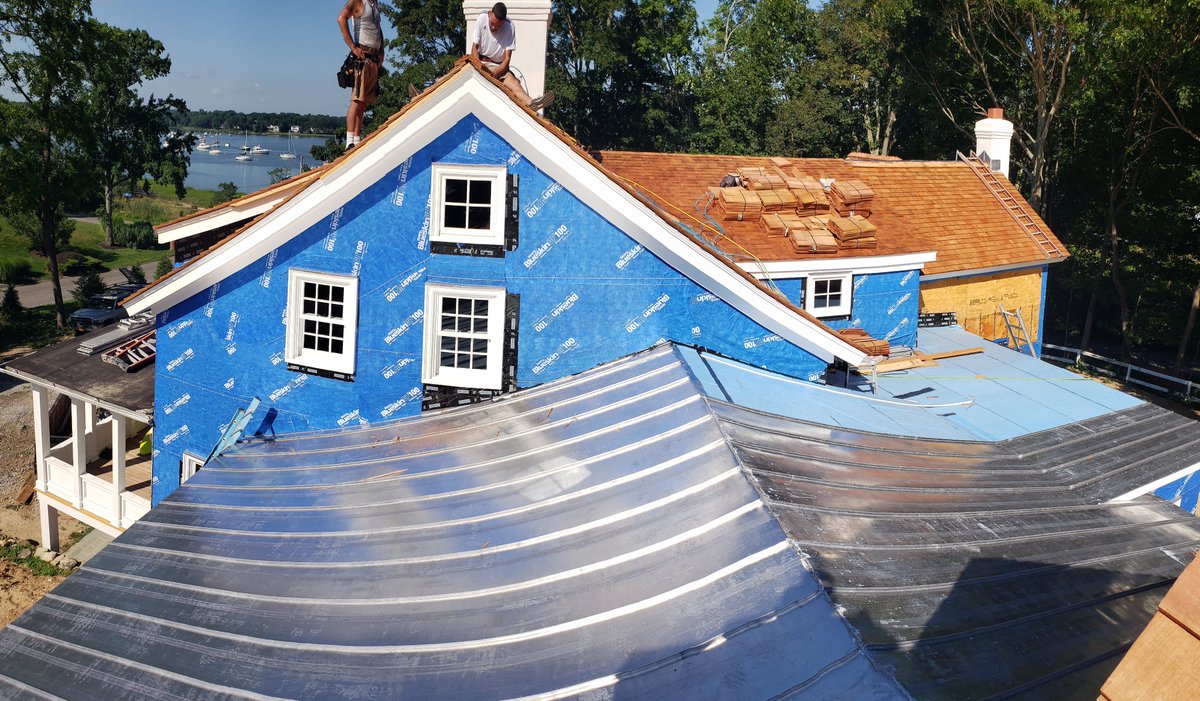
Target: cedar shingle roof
{"points": [[918, 206]]}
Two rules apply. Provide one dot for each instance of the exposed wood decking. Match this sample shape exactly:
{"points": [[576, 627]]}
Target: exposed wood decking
{"points": [[138, 472]]}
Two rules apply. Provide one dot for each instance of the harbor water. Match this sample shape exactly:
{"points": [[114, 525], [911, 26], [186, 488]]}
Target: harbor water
{"points": [[208, 170]]}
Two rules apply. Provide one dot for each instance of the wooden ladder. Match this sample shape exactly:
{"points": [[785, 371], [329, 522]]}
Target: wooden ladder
{"points": [[1012, 205], [1017, 328], [133, 354]]}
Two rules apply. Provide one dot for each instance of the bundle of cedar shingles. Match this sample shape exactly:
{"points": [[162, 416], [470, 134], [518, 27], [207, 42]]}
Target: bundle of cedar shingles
{"points": [[788, 202], [851, 198], [853, 231], [872, 346]]}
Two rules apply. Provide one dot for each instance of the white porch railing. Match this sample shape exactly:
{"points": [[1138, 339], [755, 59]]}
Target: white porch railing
{"points": [[1166, 385]]}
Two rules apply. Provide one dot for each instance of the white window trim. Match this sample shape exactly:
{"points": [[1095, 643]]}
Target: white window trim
{"points": [[189, 465], [431, 371], [843, 309], [295, 353], [495, 232]]}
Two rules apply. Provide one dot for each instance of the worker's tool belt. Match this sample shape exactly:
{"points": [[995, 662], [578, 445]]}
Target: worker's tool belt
{"points": [[345, 75]]}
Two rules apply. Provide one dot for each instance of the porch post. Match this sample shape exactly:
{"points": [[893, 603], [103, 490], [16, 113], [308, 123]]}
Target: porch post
{"points": [[79, 424], [49, 521], [41, 432], [118, 465], [90, 415]]}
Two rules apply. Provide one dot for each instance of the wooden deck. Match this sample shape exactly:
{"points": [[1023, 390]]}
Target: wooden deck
{"points": [[138, 471]]}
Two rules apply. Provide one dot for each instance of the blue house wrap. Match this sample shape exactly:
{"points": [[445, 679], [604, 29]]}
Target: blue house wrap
{"points": [[588, 293], [884, 305]]}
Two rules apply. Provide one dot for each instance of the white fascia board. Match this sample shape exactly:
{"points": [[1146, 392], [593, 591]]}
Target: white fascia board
{"points": [[857, 266], [469, 93], [127, 412], [216, 219], [975, 272], [373, 160]]}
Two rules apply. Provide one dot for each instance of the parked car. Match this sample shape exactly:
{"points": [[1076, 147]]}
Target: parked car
{"points": [[102, 309]]}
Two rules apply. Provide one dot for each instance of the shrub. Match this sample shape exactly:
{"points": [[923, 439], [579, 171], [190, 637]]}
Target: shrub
{"points": [[136, 274], [164, 267], [87, 285], [10, 307], [138, 234], [13, 270]]}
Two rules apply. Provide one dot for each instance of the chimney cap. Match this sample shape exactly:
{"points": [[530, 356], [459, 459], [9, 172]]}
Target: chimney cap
{"points": [[995, 113]]}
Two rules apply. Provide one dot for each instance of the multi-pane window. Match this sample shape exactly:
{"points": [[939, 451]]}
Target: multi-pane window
{"points": [[323, 311], [468, 204], [464, 336], [464, 333], [828, 295], [322, 321]]}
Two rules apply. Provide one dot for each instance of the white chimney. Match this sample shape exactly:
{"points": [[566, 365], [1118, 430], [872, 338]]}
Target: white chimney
{"points": [[531, 18], [993, 137]]}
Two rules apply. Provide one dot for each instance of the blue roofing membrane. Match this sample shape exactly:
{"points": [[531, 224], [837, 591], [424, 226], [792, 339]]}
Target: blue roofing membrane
{"points": [[990, 396]]}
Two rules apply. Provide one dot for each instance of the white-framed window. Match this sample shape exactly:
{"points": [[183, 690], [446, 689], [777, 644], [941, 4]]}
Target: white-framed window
{"points": [[188, 466], [464, 336], [828, 294], [322, 321], [468, 204]]}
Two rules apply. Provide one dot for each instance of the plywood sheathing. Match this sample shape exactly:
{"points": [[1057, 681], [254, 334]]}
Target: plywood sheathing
{"points": [[919, 206], [977, 301], [1162, 662]]}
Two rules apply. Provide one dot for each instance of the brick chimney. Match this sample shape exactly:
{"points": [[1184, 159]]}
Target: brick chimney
{"points": [[532, 21], [993, 137]]}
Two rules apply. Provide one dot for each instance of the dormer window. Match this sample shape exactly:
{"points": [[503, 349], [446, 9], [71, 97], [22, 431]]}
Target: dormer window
{"points": [[468, 204], [828, 295]]}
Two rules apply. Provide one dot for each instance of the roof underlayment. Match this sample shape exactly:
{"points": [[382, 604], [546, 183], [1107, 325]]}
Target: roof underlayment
{"points": [[620, 534]]}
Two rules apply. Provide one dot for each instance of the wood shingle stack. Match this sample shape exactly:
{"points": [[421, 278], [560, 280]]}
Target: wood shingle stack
{"points": [[853, 231], [811, 236], [851, 197], [757, 178], [737, 204], [873, 346]]}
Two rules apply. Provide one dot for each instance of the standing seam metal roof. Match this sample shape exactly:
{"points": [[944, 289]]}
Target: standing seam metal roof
{"points": [[620, 535]]}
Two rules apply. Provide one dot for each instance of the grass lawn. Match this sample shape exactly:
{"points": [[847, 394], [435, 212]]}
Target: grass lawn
{"points": [[86, 240]]}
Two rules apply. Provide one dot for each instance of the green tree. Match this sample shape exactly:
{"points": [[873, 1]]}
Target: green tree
{"points": [[861, 59], [278, 175], [1019, 55], [163, 268], [620, 70], [225, 192], [132, 134], [86, 285], [28, 225], [44, 50]]}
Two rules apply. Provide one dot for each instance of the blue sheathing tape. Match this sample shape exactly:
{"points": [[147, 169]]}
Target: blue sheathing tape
{"points": [[1185, 491], [588, 294]]}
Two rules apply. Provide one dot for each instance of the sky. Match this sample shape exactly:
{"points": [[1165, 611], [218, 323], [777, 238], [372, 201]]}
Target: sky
{"points": [[264, 56]]}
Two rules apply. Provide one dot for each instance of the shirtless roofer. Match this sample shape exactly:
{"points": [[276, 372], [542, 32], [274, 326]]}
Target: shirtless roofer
{"points": [[365, 39], [493, 43]]}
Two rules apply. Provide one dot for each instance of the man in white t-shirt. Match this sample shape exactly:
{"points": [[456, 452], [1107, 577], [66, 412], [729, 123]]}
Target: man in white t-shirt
{"points": [[492, 44]]}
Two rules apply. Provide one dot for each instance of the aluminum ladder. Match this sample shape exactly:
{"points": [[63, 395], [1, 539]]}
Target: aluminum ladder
{"points": [[1018, 328], [237, 426], [1015, 209]]}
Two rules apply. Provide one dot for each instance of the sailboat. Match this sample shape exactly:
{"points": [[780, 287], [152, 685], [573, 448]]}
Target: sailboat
{"points": [[244, 155], [291, 153]]}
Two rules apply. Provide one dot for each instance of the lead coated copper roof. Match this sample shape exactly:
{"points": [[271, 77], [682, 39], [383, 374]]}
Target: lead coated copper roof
{"points": [[621, 535]]}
